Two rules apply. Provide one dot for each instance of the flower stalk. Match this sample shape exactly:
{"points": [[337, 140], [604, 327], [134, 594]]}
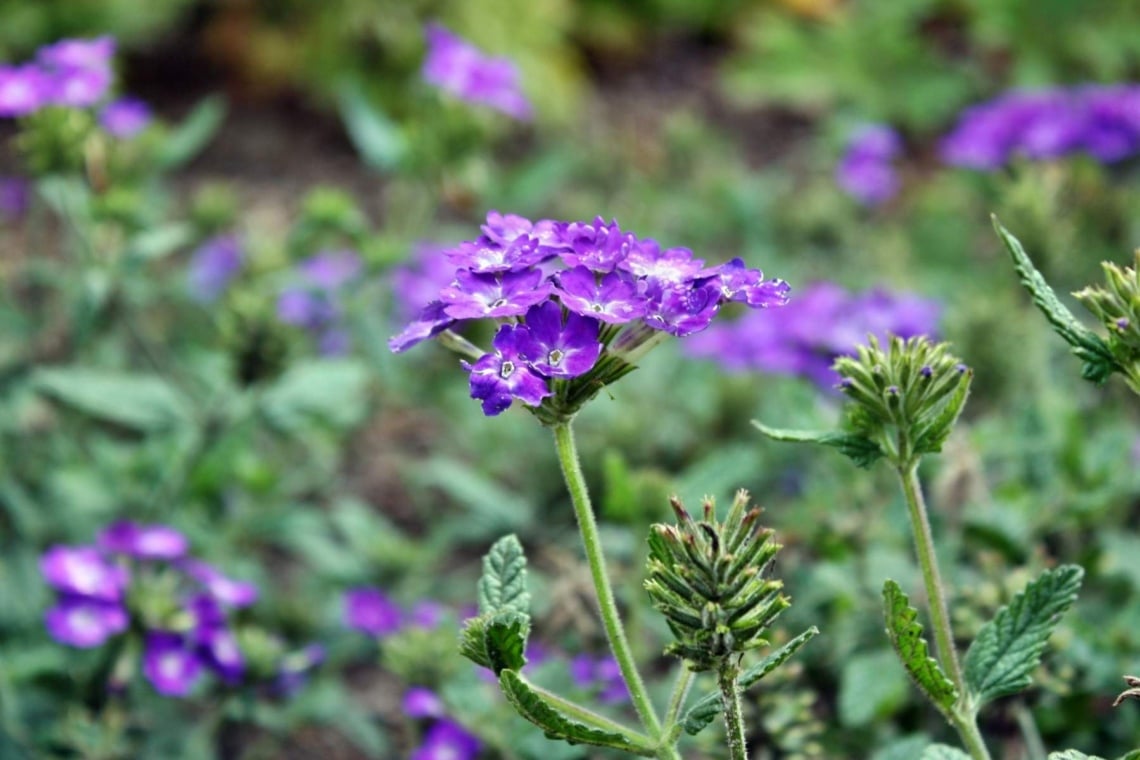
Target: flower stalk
{"points": [[733, 713]]}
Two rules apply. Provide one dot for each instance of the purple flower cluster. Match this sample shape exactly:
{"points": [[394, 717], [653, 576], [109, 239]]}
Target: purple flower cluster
{"points": [[371, 611], [865, 171], [601, 675], [314, 300], [73, 73], [1100, 120], [458, 67], [568, 294], [823, 322], [213, 266], [100, 585]]}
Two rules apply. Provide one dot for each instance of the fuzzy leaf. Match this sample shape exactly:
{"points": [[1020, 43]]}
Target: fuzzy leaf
{"points": [[709, 706], [1087, 345], [861, 450], [1008, 648], [562, 719], [1072, 754], [495, 641], [906, 636], [943, 752], [503, 585]]}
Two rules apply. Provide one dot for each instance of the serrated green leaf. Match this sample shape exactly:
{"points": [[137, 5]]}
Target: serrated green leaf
{"points": [[561, 719], [906, 637], [943, 752], [496, 640], [1072, 754], [1008, 648], [471, 641], [1086, 345], [859, 449], [192, 135], [709, 706], [503, 584], [138, 402]]}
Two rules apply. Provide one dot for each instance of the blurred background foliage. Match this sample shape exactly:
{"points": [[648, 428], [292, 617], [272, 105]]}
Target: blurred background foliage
{"points": [[713, 124]]}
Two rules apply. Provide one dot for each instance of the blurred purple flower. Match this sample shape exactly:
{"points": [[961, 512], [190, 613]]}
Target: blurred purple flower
{"points": [[426, 614], [213, 265], [447, 740], [458, 67], [805, 337], [420, 702], [419, 281], [125, 117], [15, 197], [222, 653], [92, 54], [601, 675], [23, 90], [79, 88], [142, 541], [296, 666], [371, 611], [865, 171], [84, 571], [84, 622], [225, 590], [313, 301], [170, 664], [330, 270]]}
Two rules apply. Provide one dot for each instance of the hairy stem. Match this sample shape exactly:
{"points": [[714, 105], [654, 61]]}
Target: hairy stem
{"points": [[733, 713], [591, 541], [963, 718]]}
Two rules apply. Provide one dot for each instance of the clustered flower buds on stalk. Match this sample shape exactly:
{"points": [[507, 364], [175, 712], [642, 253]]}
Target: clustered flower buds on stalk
{"points": [[1117, 305], [576, 304], [907, 396], [708, 579]]}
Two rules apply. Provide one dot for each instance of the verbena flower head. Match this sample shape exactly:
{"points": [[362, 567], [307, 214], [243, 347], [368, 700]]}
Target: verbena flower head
{"points": [[459, 68], [866, 171], [707, 578], [213, 266], [126, 117], [1100, 120], [822, 323], [575, 304]]}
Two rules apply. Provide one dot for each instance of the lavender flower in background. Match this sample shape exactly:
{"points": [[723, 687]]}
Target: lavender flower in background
{"points": [[1100, 120], [73, 73], [89, 54], [23, 90], [420, 702], [85, 622], [15, 197], [313, 301], [598, 273], [223, 589], [865, 172], [142, 541], [601, 675], [419, 281], [447, 740], [370, 611], [170, 665], [125, 118], [805, 337], [459, 68], [213, 266], [83, 571]]}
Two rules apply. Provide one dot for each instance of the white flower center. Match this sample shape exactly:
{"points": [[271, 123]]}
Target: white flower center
{"points": [[507, 368], [554, 358]]}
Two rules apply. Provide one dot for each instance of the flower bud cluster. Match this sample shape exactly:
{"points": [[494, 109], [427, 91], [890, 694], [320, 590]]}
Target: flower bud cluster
{"points": [[708, 579], [907, 395], [1117, 305], [576, 303]]}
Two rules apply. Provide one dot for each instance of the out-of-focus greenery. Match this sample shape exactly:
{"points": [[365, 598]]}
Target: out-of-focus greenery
{"points": [[121, 397]]}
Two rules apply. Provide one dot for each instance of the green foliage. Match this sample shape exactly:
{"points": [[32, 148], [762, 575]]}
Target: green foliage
{"points": [[907, 638], [858, 448], [376, 138], [496, 639], [1008, 649], [192, 135], [943, 752], [139, 403], [871, 687], [503, 583], [1072, 754], [710, 706]]}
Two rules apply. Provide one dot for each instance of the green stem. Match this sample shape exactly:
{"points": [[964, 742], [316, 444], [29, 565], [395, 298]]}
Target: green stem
{"points": [[591, 541], [963, 717], [677, 700], [733, 714]]}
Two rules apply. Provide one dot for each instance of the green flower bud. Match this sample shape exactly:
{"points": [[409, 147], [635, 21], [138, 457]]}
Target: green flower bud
{"points": [[906, 396], [1117, 305], [708, 579]]}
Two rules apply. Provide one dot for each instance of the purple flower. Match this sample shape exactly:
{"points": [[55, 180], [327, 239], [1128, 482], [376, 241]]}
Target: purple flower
{"points": [[169, 664], [84, 622], [683, 310], [78, 87], [736, 282], [419, 282], [499, 378], [84, 571], [613, 298], [142, 541], [558, 350], [371, 611], [505, 229], [865, 171], [432, 321], [92, 54], [23, 90], [303, 308], [597, 246], [422, 703], [14, 198], [485, 256], [458, 67], [213, 265], [672, 266], [426, 614], [314, 301], [447, 740], [125, 117], [227, 591], [330, 270], [222, 653], [508, 294]]}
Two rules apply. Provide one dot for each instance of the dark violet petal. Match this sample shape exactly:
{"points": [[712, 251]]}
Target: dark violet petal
{"points": [[170, 665], [85, 622]]}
